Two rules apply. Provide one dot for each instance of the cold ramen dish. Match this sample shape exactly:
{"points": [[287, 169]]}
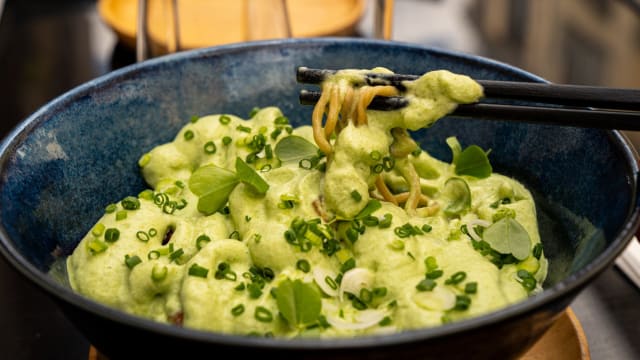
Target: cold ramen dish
{"points": [[342, 228]]}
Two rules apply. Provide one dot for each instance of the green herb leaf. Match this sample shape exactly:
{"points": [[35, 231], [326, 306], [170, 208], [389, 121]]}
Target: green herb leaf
{"points": [[507, 236], [250, 177], [298, 302], [457, 195], [473, 161], [295, 148], [212, 185]]}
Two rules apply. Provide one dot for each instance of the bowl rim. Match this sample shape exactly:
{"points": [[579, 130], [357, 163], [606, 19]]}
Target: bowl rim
{"points": [[571, 285]]}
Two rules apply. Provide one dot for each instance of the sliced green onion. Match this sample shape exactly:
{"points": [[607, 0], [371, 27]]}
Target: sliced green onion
{"points": [[111, 235], [386, 221], [243, 128], [303, 265], [366, 295], [380, 292], [224, 119], [377, 168], [268, 152], [176, 255], [397, 245], [142, 236], [456, 278], [375, 155], [265, 168], [348, 265], [329, 281], [234, 235], [254, 111], [97, 230], [434, 274], [537, 251], [194, 119], [110, 208], [121, 215], [96, 246], [159, 273], [263, 314], [226, 140], [130, 203], [254, 290], [153, 255], [198, 271], [426, 285], [281, 120], [427, 228], [371, 220], [144, 160], [237, 310], [431, 263], [388, 163], [146, 194], [386, 321], [132, 261], [355, 195], [239, 287], [210, 148], [471, 287], [462, 302], [188, 135]]}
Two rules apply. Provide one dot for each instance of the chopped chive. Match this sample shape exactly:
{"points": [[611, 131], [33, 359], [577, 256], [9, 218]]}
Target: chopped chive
{"points": [[456, 278], [427, 228], [243, 128], [434, 274], [397, 245], [371, 220], [377, 168], [159, 273], [537, 251], [226, 140], [142, 236], [224, 119], [375, 155], [210, 148], [146, 194], [386, 321], [130, 203], [198, 271], [96, 246], [462, 302], [426, 285], [268, 152], [132, 261], [265, 168], [237, 310], [431, 263], [366, 295], [254, 111], [194, 118], [380, 292], [388, 163], [188, 135], [355, 195], [471, 287], [281, 120], [97, 230], [153, 255], [239, 287], [110, 208], [275, 133], [234, 235], [121, 215], [348, 265], [303, 265], [111, 235], [254, 290], [263, 314], [386, 221], [176, 255], [329, 281]]}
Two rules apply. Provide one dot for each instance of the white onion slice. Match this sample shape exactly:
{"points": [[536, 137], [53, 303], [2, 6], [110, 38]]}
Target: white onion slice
{"points": [[440, 298], [319, 275], [354, 280], [364, 319], [471, 228]]}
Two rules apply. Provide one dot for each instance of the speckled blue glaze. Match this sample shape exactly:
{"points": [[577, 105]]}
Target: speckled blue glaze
{"points": [[66, 162]]}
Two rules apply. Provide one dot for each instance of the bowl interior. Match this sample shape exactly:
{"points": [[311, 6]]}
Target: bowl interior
{"points": [[64, 164]]}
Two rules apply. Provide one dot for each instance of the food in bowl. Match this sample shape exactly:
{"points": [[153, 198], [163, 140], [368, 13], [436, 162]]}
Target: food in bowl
{"points": [[337, 229]]}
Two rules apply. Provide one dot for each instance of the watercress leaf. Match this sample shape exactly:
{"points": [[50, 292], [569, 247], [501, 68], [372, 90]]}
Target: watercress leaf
{"points": [[212, 185], [507, 236], [295, 148], [248, 176], [473, 161], [455, 147], [457, 195], [369, 209], [298, 302]]}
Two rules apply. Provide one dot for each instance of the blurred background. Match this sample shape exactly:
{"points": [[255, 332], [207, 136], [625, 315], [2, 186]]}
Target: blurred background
{"points": [[49, 46]]}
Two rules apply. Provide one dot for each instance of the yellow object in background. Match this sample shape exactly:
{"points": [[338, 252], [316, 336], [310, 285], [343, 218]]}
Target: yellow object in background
{"points": [[205, 23]]}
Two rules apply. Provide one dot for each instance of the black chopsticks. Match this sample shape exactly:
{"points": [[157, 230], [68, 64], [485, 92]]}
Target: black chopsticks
{"points": [[542, 103]]}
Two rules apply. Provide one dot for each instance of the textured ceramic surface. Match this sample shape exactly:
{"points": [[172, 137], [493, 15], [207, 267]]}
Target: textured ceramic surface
{"points": [[62, 165]]}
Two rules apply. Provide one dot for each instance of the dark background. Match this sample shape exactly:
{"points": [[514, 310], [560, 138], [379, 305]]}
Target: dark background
{"points": [[48, 47]]}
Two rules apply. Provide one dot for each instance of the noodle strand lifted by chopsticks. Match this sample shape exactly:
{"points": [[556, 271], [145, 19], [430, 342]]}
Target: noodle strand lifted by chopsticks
{"points": [[349, 104]]}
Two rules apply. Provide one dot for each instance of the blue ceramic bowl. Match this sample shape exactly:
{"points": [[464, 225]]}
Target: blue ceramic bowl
{"points": [[79, 152]]}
